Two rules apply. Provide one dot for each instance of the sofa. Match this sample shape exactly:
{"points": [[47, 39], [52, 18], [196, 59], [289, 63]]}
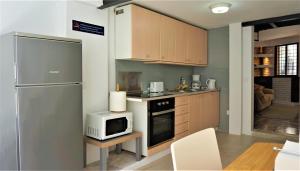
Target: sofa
{"points": [[263, 97]]}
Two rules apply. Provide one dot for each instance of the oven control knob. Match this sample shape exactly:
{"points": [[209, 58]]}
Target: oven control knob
{"points": [[159, 104], [167, 102], [163, 103]]}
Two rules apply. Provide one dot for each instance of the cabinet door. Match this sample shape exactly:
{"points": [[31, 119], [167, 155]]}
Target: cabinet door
{"points": [[190, 45], [196, 113], [196, 46], [167, 38], [204, 111], [180, 42], [193, 45], [203, 47], [215, 109], [211, 109], [145, 34]]}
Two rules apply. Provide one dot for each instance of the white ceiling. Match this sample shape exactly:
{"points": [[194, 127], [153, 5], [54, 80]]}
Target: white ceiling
{"points": [[197, 12]]}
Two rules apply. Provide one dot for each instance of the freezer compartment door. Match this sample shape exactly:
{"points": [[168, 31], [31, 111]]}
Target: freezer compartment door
{"points": [[50, 127], [41, 61]]}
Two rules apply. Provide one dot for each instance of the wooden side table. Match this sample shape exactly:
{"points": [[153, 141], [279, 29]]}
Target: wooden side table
{"points": [[104, 145]]}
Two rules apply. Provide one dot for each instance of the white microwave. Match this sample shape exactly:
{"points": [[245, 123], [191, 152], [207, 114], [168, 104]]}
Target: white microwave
{"points": [[105, 125]]}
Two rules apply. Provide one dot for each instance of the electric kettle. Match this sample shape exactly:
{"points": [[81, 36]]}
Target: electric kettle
{"points": [[211, 84]]}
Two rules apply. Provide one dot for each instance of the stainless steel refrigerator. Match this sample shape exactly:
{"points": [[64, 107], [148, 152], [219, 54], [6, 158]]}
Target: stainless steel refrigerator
{"points": [[41, 103]]}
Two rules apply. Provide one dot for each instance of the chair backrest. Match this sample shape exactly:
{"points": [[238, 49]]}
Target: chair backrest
{"points": [[198, 151]]}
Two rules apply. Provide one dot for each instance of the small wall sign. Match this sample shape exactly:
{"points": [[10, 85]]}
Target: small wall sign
{"points": [[87, 28]]}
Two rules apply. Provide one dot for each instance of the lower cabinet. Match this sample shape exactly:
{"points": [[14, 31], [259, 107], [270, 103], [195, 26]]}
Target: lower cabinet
{"points": [[199, 111], [192, 114], [181, 117], [203, 111]]}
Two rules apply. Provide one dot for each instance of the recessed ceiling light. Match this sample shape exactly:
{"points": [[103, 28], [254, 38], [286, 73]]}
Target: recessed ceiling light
{"points": [[220, 8]]}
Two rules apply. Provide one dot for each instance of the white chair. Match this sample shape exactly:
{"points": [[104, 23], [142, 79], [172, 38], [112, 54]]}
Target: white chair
{"points": [[198, 151]]}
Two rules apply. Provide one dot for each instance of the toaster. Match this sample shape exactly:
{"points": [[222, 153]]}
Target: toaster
{"points": [[156, 87]]}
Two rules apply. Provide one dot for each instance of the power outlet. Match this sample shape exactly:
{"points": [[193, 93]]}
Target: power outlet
{"points": [[227, 112]]}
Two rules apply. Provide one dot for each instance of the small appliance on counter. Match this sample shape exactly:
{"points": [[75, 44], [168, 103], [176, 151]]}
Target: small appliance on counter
{"points": [[182, 86], [105, 125], [211, 84], [156, 87], [196, 84]]}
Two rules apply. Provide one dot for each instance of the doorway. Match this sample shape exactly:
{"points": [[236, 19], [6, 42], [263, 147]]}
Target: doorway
{"points": [[276, 79]]}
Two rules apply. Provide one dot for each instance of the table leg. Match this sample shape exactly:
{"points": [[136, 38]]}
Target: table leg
{"points": [[119, 148], [138, 150], [103, 159]]}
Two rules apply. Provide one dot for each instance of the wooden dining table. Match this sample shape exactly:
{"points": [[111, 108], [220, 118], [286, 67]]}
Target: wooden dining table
{"points": [[260, 156]]}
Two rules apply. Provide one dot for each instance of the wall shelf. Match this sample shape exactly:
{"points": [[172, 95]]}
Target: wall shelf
{"points": [[263, 66], [264, 61], [262, 55]]}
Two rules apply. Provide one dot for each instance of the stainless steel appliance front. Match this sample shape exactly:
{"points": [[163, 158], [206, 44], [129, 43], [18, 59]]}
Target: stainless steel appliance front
{"points": [[41, 103], [50, 123]]}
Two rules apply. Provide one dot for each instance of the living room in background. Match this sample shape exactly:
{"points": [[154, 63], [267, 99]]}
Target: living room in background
{"points": [[276, 80]]}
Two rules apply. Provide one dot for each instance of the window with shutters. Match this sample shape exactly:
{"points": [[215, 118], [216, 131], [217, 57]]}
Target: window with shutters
{"points": [[287, 57]]}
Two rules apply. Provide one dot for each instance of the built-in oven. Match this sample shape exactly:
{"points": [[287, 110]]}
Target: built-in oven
{"points": [[161, 118]]}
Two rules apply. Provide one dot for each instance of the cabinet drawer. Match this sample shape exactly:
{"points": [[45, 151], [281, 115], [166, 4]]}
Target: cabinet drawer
{"points": [[181, 119], [181, 128], [180, 110], [183, 100]]}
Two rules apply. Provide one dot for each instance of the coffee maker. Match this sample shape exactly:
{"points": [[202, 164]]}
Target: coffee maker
{"points": [[196, 84]]}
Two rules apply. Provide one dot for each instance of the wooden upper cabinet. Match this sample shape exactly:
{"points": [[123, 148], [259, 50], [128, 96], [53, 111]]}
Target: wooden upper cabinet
{"points": [[196, 46], [167, 38], [145, 34], [203, 48], [180, 42], [137, 33]]}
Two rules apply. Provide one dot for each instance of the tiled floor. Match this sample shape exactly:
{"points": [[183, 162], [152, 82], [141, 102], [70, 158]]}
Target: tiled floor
{"points": [[278, 119], [230, 147]]}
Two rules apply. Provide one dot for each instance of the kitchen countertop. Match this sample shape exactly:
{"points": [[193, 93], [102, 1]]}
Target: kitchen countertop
{"points": [[170, 94]]}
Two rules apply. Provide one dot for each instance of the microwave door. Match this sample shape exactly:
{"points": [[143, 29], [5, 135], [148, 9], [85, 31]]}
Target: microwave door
{"points": [[116, 126]]}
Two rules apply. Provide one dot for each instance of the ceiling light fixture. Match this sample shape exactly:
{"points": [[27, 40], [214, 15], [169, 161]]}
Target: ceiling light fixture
{"points": [[220, 8]]}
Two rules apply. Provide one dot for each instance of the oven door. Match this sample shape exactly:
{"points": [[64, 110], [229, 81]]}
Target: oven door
{"points": [[161, 126]]}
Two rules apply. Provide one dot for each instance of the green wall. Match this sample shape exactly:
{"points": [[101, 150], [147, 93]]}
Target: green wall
{"points": [[169, 74], [218, 68]]}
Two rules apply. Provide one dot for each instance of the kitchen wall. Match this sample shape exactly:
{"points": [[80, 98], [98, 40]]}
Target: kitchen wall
{"points": [[40, 17], [94, 61], [169, 74], [54, 18], [218, 68]]}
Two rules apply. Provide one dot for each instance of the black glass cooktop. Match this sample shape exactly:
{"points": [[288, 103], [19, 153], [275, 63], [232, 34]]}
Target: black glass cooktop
{"points": [[147, 95]]}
